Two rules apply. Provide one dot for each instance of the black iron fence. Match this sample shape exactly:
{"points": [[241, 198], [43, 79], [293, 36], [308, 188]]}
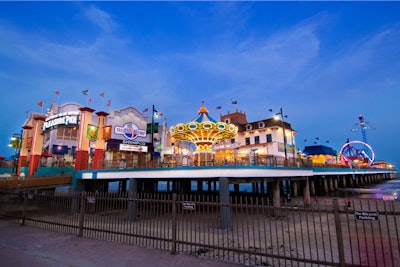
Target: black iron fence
{"points": [[248, 230]]}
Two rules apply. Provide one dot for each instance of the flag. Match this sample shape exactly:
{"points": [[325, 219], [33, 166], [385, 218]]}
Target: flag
{"points": [[40, 104], [219, 107], [57, 92], [90, 100], [146, 110], [102, 94], [234, 102], [270, 110], [109, 103], [160, 114], [85, 92]]}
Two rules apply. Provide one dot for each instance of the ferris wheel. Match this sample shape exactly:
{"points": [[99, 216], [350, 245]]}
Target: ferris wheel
{"points": [[357, 150]]}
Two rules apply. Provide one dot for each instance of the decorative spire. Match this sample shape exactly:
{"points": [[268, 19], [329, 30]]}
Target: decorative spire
{"points": [[203, 109]]}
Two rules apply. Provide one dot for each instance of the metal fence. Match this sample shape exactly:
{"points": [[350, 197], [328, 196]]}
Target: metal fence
{"points": [[248, 230]]}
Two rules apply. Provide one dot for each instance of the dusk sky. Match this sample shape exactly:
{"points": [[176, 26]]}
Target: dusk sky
{"points": [[323, 63]]}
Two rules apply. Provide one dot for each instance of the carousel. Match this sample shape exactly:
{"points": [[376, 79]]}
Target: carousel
{"points": [[203, 131]]}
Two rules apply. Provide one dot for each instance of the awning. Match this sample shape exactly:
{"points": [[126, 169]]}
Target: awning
{"points": [[46, 154]]}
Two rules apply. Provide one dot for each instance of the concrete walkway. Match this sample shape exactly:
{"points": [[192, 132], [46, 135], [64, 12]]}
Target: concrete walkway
{"points": [[22, 246]]}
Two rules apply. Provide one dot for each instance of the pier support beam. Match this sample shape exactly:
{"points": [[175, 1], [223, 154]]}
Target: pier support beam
{"points": [[132, 205], [276, 201], [325, 181], [225, 211], [295, 189], [344, 182], [306, 192], [312, 186]]}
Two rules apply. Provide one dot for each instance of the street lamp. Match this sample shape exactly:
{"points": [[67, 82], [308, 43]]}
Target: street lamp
{"points": [[283, 131], [152, 132]]}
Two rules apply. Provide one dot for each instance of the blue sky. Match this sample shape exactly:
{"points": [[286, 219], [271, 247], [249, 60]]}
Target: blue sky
{"points": [[324, 63]]}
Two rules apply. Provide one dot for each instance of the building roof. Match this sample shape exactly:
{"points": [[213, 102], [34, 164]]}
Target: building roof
{"points": [[319, 150]]}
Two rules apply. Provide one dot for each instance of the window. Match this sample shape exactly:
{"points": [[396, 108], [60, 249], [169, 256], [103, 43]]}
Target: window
{"points": [[67, 133], [269, 138], [248, 127], [261, 125], [232, 140], [247, 141], [256, 139]]}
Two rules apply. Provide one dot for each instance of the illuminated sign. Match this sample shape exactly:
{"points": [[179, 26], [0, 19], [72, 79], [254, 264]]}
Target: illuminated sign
{"points": [[65, 119], [134, 148], [130, 131]]}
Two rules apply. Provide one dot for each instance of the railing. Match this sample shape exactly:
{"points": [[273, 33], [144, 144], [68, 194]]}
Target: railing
{"points": [[247, 230]]}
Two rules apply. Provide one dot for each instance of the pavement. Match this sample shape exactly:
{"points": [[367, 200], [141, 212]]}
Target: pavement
{"points": [[22, 246]]}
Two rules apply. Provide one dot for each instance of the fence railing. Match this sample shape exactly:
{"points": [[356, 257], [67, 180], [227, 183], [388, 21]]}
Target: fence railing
{"points": [[248, 230]]}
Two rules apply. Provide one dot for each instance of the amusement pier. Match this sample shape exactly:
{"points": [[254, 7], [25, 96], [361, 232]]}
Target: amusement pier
{"points": [[86, 150], [225, 189]]}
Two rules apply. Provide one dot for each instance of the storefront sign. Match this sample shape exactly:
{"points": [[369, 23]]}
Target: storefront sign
{"points": [[130, 131], [134, 148], [64, 119], [131, 142]]}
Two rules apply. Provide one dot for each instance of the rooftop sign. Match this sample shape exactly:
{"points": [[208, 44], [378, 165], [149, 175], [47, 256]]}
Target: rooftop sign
{"points": [[70, 118]]}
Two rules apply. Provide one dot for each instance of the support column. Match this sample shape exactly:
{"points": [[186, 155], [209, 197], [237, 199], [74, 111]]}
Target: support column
{"points": [[351, 181], [344, 181], [26, 146], [82, 150], [312, 186], [330, 181], [325, 181], [276, 201], [335, 182], [37, 144], [225, 212], [306, 193], [132, 204], [100, 141], [295, 189]]}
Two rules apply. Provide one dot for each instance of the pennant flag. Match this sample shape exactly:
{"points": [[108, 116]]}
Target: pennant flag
{"points": [[146, 110], [219, 107], [109, 103], [102, 94], [40, 104], [90, 100], [160, 114], [57, 92], [234, 102], [85, 92], [270, 110]]}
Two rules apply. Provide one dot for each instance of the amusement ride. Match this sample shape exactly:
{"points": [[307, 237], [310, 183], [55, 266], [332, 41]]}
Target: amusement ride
{"points": [[358, 150], [203, 131]]}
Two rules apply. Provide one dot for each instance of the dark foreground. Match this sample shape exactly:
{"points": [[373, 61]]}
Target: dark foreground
{"points": [[27, 246]]}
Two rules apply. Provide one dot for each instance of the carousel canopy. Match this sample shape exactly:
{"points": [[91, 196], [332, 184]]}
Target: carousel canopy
{"points": [[203, 131]]}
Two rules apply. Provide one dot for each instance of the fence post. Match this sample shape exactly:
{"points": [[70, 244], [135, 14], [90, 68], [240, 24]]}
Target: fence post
{"points": [[82, 213], [24, 209], [174, 222], [339, 233]]}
